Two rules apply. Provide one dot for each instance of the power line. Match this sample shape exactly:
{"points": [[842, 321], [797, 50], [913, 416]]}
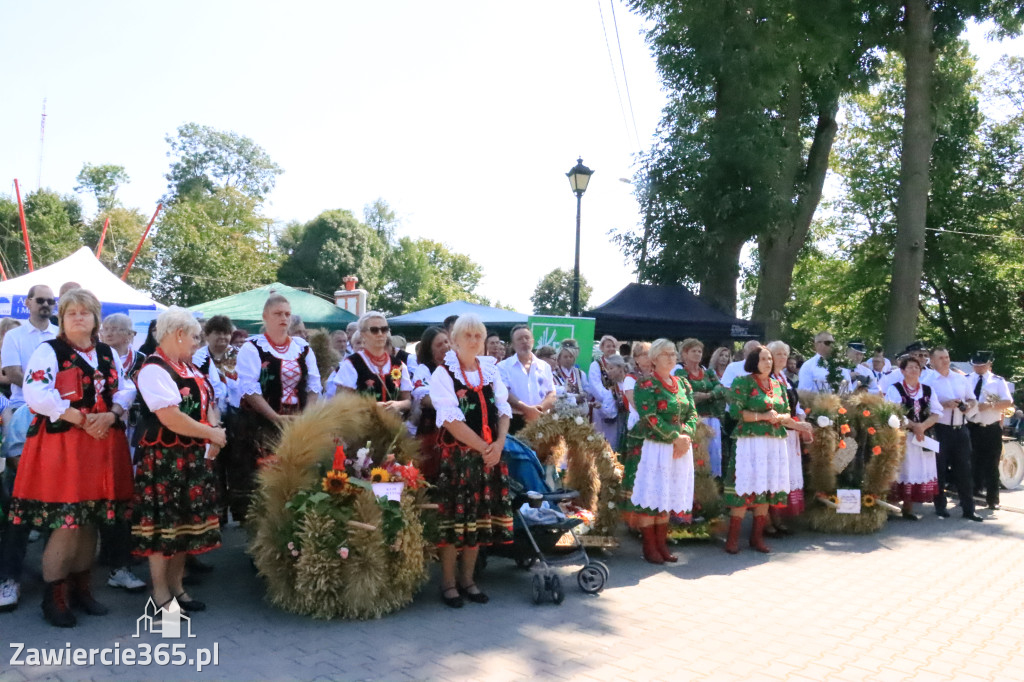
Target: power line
{"points": [[625, 80], [615, 78]]}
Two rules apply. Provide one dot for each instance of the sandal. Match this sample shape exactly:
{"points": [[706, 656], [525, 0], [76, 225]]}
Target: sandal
{"points": [[477, 597]]}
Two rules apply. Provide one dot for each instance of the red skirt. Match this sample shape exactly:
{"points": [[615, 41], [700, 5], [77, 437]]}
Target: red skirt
{"points": [[70, 479], [914, 492]]}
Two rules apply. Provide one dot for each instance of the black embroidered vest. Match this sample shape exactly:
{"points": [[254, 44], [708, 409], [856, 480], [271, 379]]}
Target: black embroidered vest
{"points": [[469, 403], [151, 431], [68, 359], [924, 402], [270, 377], [369, 383]]}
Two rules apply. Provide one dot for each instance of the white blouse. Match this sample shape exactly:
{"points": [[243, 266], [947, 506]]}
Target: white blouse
{"points": [[225, 389], [442, 389], [892, 394], [42, 396], [159, 389], [347, 377], [421, 383], [248, 364]]}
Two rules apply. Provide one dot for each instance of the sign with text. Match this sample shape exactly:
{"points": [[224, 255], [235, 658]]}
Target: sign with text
{"points": [[849, 501], [549, 330]]}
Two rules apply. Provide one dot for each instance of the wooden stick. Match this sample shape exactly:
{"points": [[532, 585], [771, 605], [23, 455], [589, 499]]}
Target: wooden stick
{"points": [[103, 235], [124, 275], [359, 525], [24, 227], [427, 506]]}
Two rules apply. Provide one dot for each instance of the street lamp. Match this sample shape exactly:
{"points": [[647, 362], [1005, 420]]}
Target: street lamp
{"points": [[579, 178]]}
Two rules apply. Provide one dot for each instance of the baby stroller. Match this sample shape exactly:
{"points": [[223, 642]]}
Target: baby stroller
{"points": [[537, 533]]}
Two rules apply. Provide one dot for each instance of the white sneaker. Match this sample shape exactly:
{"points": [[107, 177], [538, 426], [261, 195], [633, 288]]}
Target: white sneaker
{"points": [[9, 593], [125, 579]]}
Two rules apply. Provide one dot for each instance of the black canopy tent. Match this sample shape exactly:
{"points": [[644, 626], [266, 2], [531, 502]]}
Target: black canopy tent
{"points": [[647, 311]]}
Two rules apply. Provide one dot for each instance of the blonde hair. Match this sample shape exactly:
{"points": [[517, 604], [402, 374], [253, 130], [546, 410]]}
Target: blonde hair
{"points": [[84, 298], [690, 343], [174, 319], [640, 347], [661, 346], [778, 346], [719, 352], [273, 300], [364, 319], [466, 323]]}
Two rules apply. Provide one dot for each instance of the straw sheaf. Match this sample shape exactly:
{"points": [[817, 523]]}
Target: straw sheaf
{"points": [[326, 357]]}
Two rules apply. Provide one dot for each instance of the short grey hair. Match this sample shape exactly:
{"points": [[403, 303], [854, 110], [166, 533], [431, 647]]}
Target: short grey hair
{"points": [[778, 346], [616, 361], [117, 321], [295, 322], [174, 319], [364, 319], [661, 346], [465, 323]]}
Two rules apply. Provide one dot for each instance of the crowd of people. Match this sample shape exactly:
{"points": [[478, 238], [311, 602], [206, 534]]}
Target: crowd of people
{"points": [[148, 452]]}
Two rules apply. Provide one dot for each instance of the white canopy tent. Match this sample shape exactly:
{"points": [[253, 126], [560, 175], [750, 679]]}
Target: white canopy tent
{"points": [[84, 268]]}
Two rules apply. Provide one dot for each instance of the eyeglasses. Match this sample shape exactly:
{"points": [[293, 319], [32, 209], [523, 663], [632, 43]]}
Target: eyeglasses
{"points": [[44, 301], [378, 330]]}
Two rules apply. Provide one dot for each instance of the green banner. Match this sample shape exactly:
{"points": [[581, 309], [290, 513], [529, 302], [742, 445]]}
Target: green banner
{"points": [[549, 330]]}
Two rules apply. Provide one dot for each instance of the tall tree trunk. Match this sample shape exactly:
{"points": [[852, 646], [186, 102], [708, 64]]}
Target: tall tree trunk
{"points": [[718, 286], [778, 250], [915, 159]]}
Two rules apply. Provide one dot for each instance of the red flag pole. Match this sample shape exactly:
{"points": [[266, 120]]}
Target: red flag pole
{"points": [[103, 235], [124, 275], [24, 227]]}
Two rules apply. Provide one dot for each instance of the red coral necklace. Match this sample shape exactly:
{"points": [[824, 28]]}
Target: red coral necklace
{"points": [[770, 391], [673, 388], [279, 348], [479, 390]]}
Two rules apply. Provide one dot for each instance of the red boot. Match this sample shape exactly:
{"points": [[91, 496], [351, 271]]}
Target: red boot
{"points": [[732, 543], [661, 535], [651, 553], [757, 535]]}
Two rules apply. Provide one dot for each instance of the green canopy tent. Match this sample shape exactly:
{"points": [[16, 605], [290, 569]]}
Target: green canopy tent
{"points": [[246, 309]]}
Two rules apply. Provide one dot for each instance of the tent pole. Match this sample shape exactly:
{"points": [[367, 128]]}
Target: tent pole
{"points": [[24, 227], [124, 275], [103, 235]]}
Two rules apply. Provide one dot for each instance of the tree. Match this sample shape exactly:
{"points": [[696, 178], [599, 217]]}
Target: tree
{"points": [[102, 182], [421, 273], [743, 145], [333, 245], [123, 234], [553, 295], [54, 225], [382, 219], [206, 159], [210, 247]]}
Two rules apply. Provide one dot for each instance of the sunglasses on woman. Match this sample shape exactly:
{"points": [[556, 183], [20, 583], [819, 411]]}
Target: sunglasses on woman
{"points": [[378, 330]]}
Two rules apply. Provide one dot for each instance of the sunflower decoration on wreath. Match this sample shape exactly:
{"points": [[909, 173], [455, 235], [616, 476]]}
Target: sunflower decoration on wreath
{"points": [[338, 515], [592, 468], [858, 444]]}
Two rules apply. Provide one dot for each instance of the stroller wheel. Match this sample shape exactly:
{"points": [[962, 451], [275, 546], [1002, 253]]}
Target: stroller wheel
{"points": [[601, 566], [538, 588], [591, 579], [525, 562], [557, 594]]}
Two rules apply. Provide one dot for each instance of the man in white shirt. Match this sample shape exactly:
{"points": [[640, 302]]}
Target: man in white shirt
{"points": [[814, 373], [860, 376], [735, 369], [877, 367], [531, 387], [953, 460], [919, 351], [993, 396], [18, 346]]}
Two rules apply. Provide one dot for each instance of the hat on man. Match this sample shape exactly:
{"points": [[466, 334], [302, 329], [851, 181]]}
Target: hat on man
{"points": [[857, 345], [915, 347], [982, 357]]}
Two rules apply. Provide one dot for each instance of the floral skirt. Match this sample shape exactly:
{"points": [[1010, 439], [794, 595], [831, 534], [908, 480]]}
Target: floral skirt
{"points": [[473, 504], [175, 503], [630, 463], [70, 479], [796, 473], [759, 474]]}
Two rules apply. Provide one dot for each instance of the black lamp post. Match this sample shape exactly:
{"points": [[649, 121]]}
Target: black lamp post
{"points": [[579, 178]]}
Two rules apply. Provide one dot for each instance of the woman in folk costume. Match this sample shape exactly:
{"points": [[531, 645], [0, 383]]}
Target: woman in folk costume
{"points": [[473, 416], [75, 471], [432, 348], [598, 374], [570, 379], [918, 478], [614, 416], [663, 482], [175, 509], [708, 395], [372, 371], [630, 443], [795, 502], [277, 378], [759, 477]]}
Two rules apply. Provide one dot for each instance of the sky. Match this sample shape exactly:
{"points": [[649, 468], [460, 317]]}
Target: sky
{"points": [[464, 116]]}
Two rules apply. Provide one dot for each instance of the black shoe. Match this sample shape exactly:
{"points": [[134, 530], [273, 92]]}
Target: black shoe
{"points": [[190, 605], [55, 605], [453, 602], [911, 516], [80, 595], [942, 513], [194, 565], [973, 517], [477, 597]]}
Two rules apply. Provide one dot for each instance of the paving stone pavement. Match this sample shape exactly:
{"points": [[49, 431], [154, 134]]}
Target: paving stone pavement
{"points": [[933, 600]]}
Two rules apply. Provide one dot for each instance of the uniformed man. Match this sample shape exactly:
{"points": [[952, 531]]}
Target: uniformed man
{"points": [[953, 461], [860, 376], [919, 351], [993, 396]]}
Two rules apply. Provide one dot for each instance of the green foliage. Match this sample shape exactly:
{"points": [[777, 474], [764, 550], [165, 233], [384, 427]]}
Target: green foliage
{"points": [[54, 227], [212, 246], [421, 273], [333, 245], [123, 234], [207, 159], [382, 219], [102, 182], [553, 295]]}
